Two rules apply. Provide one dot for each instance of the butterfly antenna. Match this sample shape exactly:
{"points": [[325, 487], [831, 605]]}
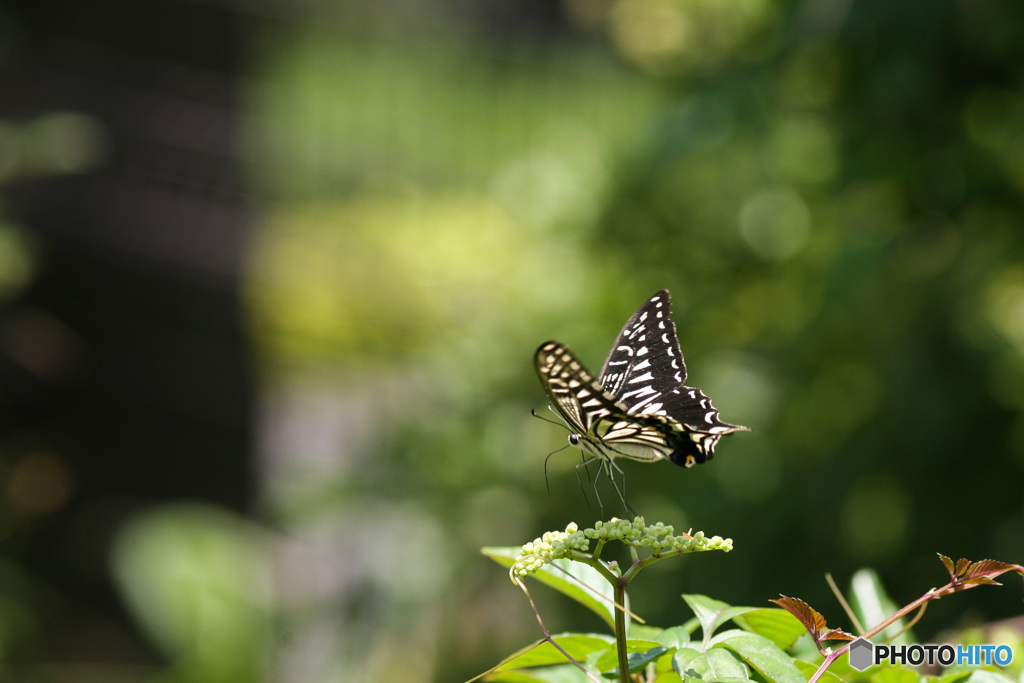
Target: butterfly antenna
{"points": [[546, 480], [560, 422]]}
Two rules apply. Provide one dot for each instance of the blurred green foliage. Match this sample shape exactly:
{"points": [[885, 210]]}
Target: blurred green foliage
{"points": [[832, 193]]}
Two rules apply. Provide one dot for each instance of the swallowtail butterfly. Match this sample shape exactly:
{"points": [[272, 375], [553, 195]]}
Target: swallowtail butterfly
{"points": [[638, 407]]}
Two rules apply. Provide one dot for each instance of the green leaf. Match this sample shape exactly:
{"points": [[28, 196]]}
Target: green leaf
{"points": [[954, 677], [893, 674], [808, 669], [645, 632], [610, 660], [761, 654], [712, 613], [872, 605], [676, 637], [635, 661], [777, 625], [563, 673], [638, 660], [578, 645], [985, 676], [561, 582], [718, 665], [198, 582]]}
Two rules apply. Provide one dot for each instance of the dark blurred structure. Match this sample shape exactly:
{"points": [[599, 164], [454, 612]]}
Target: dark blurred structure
{"points": [[124, 375]]}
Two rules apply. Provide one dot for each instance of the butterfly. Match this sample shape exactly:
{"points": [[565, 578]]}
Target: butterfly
{"points": [[639, 406]]}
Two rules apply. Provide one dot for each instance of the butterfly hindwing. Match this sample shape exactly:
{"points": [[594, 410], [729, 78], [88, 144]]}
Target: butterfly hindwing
{"points": [[692, 408]]}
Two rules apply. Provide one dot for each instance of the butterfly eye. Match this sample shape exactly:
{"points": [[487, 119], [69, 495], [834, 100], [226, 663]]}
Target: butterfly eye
{"points": [[574, 439]]}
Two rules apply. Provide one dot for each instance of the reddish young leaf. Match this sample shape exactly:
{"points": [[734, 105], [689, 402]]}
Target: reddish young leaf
{"points": [[808, 616], [992, 568], [837, 634], [949, 565], [969, 574]]}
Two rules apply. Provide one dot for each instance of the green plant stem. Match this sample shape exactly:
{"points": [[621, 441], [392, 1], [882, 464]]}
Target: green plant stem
{"points": [[620, 629]]}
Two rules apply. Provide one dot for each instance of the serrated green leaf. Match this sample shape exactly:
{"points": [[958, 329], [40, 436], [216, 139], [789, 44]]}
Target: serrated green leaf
{"points": [[761, 654], [541, 653], [777, 625], [717, 664], [668, 676], [712, 613], [808, 670], [561, 582]]}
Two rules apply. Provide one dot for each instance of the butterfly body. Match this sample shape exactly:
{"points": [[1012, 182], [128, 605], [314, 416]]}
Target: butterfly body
{"points": [[639, 407]]}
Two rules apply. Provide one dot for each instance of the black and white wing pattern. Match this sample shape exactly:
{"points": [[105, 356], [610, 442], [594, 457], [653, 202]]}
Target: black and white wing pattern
{"points": [[645, 362], [639, 407]]}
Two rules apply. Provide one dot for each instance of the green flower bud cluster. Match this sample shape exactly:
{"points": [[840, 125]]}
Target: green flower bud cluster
{"points": [[699, 543], [658, 537], [551, 546]]}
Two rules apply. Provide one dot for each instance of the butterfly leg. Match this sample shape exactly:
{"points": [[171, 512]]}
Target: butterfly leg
{"points": [[585, 464], [609, 464]]}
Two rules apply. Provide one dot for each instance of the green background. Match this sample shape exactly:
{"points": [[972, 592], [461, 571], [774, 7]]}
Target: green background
{"points": [[832, 193]]}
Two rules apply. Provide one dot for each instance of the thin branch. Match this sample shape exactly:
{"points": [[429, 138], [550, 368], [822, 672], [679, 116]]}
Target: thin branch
{"points": [[842, 601], [547, 634]]}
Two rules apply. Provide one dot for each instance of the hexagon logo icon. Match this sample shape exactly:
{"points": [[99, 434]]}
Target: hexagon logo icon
{"points": [[861, 654]]}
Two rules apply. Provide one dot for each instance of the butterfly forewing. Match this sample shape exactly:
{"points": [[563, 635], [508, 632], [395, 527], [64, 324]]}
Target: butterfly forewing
{"points": [[592, 413], [645, 361], [577, 396]]}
